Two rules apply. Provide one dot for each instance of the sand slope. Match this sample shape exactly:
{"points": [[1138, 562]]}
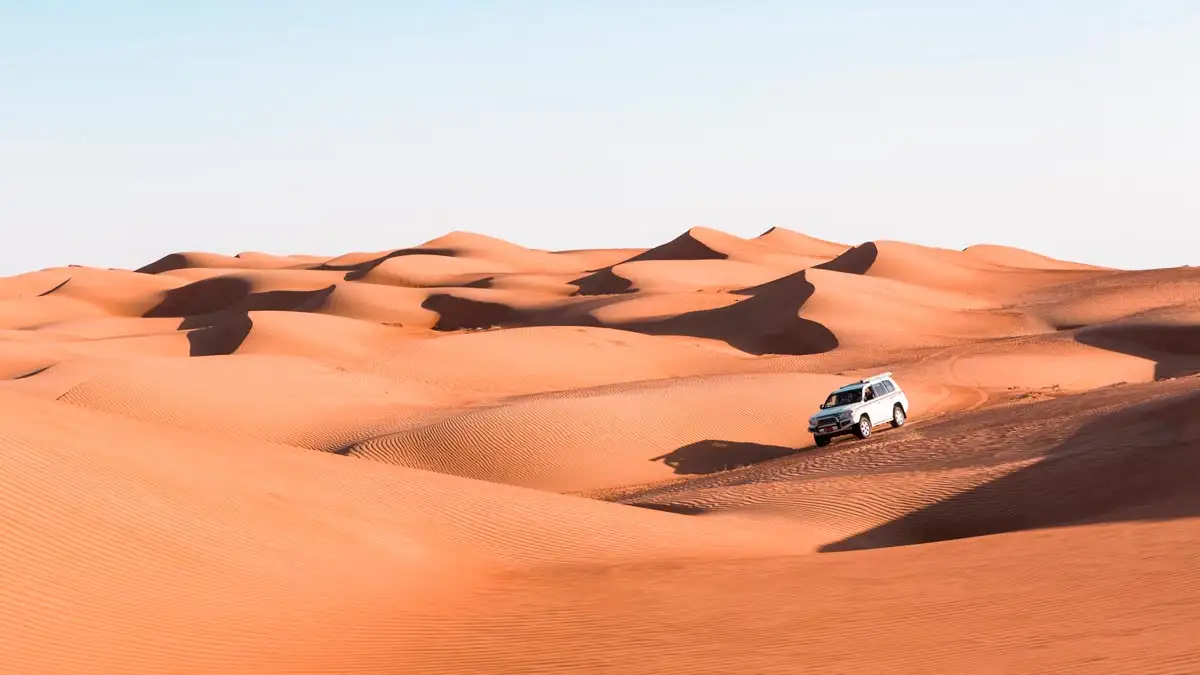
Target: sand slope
{"points": [[467, 455]]}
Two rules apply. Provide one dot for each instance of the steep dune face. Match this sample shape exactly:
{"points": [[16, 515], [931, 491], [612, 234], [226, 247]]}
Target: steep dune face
{"points": [[473, 456]]}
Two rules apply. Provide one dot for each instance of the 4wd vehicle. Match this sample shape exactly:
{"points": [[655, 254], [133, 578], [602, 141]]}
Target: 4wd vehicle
{"points": [[859, 407]]}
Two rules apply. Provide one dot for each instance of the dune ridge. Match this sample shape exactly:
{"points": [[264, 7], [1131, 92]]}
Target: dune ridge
{"points": [[468, 455]]}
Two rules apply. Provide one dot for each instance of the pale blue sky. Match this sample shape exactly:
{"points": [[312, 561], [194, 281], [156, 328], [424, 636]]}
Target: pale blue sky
{"points": [[129, 130]]}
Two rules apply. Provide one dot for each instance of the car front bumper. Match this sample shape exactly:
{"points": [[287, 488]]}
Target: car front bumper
{"points": [[830, 427]]}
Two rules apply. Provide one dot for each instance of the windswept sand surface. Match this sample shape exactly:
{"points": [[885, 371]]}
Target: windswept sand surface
{"points": [[469, 456]]}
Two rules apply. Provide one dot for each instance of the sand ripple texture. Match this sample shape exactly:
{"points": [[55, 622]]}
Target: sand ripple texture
{"points": [[469, 456]]}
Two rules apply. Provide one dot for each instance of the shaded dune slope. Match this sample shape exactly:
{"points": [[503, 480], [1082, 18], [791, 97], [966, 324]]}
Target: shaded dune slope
{"points": [[1146, 456], [1084, 458]]}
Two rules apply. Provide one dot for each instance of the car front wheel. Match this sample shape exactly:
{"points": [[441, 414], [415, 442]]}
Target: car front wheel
{"points": [[864, 427], [821, 441]]}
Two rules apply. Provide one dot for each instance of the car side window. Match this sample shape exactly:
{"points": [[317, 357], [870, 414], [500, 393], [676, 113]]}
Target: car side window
{"points": [[869, 394], [885, 388]]}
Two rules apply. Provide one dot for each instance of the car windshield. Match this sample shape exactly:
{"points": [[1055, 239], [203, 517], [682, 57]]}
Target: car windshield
{"points": [[839, 398]]}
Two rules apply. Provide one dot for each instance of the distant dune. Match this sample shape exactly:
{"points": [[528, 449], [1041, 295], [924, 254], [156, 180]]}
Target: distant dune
{"points": [[469, 456]]}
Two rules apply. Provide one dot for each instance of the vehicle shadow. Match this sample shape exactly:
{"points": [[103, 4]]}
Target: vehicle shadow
{"points": [[711, 456], [1139, 464]]}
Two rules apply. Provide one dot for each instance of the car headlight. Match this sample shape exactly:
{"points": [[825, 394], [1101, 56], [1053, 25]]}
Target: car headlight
{"points": [[844, 415]]}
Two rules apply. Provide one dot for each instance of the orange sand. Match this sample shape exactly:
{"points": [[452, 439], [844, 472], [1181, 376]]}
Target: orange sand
{"points": [[467, 456]]}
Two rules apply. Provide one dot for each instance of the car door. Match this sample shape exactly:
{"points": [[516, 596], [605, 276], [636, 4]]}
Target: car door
{"points": [[887, 399], [872, 397], [881, 406]]}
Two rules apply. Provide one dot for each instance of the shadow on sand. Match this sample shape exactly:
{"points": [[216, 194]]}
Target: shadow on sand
{"points": [[857, 260], [767, 322], [606, 282], [455, 313], [360, 270], [1174, 348], [711, 456], [217, 335], [1138, 464], [216, 311]]}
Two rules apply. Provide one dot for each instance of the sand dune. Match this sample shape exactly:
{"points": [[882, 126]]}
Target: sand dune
{"points": [[468, 455], [801, 244], [199, 259], [700, 254], [1009, 467], [1006, 256], [992, 276], [615, 435]]}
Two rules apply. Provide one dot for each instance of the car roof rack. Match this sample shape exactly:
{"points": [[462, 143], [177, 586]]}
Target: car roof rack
{"points": [[873, 378], [865, 380]]}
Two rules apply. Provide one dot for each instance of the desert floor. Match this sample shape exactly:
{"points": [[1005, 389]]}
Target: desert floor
{"points": [[473, 457]]}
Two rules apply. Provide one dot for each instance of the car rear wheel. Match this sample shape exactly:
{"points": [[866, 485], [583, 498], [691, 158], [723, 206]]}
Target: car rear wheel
{"points": [[864, 427], [821, 441], [898, 416]]}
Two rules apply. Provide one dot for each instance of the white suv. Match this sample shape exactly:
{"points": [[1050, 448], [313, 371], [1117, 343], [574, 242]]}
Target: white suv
{"points": [[859, 407]]}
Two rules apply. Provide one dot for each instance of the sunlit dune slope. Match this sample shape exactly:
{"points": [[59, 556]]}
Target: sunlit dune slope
{"points": [[615, 435], [800, 244], [151, 549], [1013, 602]]}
